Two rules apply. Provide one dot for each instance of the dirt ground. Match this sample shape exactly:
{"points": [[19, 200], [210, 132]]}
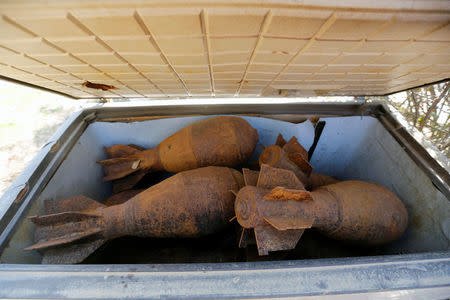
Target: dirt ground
{"points": [[28, 118]]}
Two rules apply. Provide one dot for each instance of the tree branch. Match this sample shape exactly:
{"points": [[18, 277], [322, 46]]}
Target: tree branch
{"points": [[433, 106]]}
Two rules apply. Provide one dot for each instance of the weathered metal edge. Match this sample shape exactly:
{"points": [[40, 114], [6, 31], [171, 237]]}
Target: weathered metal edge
{"points": [[187, 97], [24, 83], [30, 183], [305, 108], [436, 168], [398, 275], [416, 87]]}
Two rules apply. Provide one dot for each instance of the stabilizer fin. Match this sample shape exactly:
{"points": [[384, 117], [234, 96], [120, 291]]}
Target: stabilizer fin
{"points": [[71, 254], [301, 162], [64, 228], [121, 150], [116, 168], [247, 237], [287, 223], [70, 232], [63, 240], [78, 203], [127, 182], [280, 140], [250, 176], [270, 239], [64, 217], [270, 178], [293, 146]]}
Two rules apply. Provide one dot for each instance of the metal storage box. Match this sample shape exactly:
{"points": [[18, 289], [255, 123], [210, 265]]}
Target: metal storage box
{"points": [[358, 142], [246, 48]]}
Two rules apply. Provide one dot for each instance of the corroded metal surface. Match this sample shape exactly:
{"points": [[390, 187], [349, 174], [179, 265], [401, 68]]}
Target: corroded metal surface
{"points": [[121, 197], [317, 180], [276, 157], [290, 155], [279, 208], [129, 181], [190, 204], [218, 141], [250, 176], [122, 150]]}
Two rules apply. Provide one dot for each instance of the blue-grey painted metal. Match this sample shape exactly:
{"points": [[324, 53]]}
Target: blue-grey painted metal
{"points": [[400, 276]]}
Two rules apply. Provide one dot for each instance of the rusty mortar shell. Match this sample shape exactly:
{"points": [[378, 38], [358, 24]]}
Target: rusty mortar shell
{"points": [[218, 141], [279, 209], [189, 204]]}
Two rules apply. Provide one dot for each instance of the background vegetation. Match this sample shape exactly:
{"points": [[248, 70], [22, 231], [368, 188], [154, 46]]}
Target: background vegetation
{"points": [[428, 109]]}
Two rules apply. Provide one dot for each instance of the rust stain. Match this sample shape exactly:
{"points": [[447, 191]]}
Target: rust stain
{"points": [[281, 193], [21, 194], [55, 147], [98, 86], [416, 221], [280, 52]]}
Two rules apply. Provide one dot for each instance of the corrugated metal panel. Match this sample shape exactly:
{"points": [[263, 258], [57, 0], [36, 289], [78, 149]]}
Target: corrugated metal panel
{"points": [[236, 48]]}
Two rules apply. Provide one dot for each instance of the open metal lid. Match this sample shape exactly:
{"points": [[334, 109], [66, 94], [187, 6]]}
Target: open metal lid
{"points": [[230, 48]]}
